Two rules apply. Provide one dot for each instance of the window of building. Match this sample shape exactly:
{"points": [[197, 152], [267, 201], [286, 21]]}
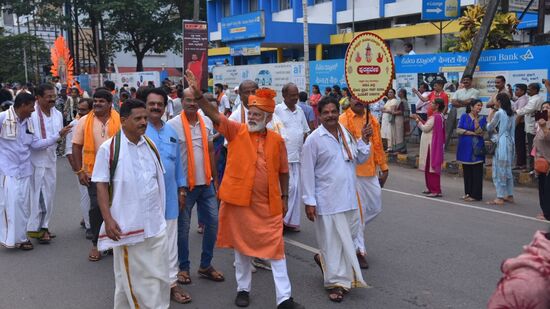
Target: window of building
{"points": [[321, 1], [226, 6], [284, 5], [252, 5]]}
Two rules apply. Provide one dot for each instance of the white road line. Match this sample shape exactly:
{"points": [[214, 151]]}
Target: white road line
{"points": [[301, 245], [466, 205]]}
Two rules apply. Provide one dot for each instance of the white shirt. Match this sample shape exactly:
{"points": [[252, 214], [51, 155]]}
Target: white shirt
{"points": [[412, 53], [138, 189], [69, 138], [463, 94], [224, 104], [52, 124], [534, 104], [15, 152], [328, 179], [294, 126], [198, 152], [421, 106]]}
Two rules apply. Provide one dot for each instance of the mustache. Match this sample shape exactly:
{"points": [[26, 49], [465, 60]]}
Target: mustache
{"points": [[156, 110], [143, 126]]}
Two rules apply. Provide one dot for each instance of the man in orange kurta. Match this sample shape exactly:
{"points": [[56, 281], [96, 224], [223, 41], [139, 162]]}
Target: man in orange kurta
{"points": [[369, 182], [254, 192]]}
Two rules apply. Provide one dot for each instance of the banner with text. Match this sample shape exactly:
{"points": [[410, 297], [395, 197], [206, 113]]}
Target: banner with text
{"points": [[195, 50]]}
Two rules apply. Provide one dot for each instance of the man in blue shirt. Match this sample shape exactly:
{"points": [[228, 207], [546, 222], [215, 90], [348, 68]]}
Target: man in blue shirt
{"points": [[166, 140], [308, 110]]}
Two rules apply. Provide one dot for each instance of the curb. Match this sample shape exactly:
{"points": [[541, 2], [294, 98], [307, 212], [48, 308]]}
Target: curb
{"points": [[454, 168]]}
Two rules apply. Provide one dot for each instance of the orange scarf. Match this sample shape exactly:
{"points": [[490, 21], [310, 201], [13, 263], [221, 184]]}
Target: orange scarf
{"points": [[190, 153], [88, 155]]}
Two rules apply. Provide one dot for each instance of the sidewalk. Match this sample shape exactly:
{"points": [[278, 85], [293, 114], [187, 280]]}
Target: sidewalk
{"points": [[450, 166]]}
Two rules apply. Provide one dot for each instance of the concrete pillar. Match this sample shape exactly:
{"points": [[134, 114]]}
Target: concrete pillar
{"points": [[279, 55], [319, 52]]}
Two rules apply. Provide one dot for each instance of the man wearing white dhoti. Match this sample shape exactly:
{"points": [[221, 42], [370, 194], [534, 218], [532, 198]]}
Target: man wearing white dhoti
{"points": [[83, 107], [294, 129], [329, 159], [16, 141], [129, 167], [47, 121], [369, 180]]}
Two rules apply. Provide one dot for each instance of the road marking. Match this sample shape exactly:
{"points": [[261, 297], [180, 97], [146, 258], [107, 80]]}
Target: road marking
{"points": [[466, 205], [301, 245]]}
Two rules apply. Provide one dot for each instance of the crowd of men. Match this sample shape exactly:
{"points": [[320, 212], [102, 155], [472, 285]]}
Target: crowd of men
{"points": [[144, 158]]}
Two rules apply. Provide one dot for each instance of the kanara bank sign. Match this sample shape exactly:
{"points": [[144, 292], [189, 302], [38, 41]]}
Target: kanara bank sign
{"points": [[502, 59]]}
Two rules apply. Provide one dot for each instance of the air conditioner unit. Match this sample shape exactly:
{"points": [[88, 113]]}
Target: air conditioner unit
{"points": [[345, 30]]}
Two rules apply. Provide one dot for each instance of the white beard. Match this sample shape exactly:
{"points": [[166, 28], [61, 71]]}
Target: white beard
{"points": [[256, 127]]}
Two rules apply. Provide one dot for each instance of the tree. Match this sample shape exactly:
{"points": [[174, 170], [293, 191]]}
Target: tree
{"points": [[500, 34], [13, 67], [144, 26]]}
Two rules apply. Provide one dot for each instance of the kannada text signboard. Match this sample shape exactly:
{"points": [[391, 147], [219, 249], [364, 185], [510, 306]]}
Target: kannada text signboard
{"points": [[195, 50], [369, 67]]}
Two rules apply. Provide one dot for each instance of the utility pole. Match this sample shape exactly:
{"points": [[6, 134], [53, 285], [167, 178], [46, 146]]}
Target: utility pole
{"points": [[479, 40], [541, 11], [306, 45], [76, 39], [196, 10]]}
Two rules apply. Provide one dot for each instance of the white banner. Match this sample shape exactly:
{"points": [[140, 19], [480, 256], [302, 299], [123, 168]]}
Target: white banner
{"points": [[272, 75]]}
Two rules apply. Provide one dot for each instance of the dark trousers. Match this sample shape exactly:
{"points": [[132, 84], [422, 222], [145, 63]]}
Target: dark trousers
{"points": [[530, 138], [521, 152], [96, 219], [544, 195], [473, 180], [450, 126]]}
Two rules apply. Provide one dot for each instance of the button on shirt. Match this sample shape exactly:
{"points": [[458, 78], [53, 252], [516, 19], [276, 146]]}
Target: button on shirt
{"points": [[294, 126], [52, 125], [196, 135], [135, 180], [15, 153], [463, 95], [166, 140], [328, 179]]}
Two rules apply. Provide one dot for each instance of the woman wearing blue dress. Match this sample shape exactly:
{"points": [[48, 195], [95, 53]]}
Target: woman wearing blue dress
{"points": [[471, 150], [502, 124]]}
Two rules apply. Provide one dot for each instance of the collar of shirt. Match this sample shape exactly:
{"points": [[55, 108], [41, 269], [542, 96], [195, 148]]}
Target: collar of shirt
{"points": [[285, 107], [125, 139]]}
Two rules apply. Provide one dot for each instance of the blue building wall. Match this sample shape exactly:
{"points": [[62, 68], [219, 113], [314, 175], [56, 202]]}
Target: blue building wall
{"points": [[281, 33]]}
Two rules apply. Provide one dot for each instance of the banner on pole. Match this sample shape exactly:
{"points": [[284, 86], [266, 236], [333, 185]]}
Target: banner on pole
{"points": [[195, 50]]}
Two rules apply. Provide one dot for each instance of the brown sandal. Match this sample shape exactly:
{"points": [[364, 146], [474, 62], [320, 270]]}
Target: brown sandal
{"points": [[211, 274], [94, 255], [498, 202], [336, 294], [184, 277], [25, 246], [178, 295], [45, 239]]}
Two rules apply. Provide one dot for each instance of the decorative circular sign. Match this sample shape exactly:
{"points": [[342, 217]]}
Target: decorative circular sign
{"points": [[369, 67]]}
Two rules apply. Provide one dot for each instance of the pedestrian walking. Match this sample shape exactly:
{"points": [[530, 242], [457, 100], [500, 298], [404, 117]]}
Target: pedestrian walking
{"points": [[329, 160], [371, 175], [471, 150], [254, 190], [431, 148], [129, 177], [294, 129], [195, 136], [83, 107], [175, 181], [93, 130], [502, 123], [48, 121], [17, 139]]}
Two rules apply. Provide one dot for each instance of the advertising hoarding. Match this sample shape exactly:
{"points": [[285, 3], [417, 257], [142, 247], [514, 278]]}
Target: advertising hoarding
{"points": [[195, 50]]}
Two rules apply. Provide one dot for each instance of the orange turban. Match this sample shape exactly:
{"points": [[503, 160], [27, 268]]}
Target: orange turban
{"points": [[263, 99]]}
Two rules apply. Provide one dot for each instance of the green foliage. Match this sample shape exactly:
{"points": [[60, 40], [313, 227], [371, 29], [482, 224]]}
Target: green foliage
{"points": [[12, 68], [500, 34]]}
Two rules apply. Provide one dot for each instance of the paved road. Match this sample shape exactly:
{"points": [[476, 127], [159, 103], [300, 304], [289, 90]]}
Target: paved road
{"points": [[423, 253]]}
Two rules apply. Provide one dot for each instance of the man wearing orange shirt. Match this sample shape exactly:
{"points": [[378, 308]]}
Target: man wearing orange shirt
{"points": [[369, 184], [254, 190]]}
